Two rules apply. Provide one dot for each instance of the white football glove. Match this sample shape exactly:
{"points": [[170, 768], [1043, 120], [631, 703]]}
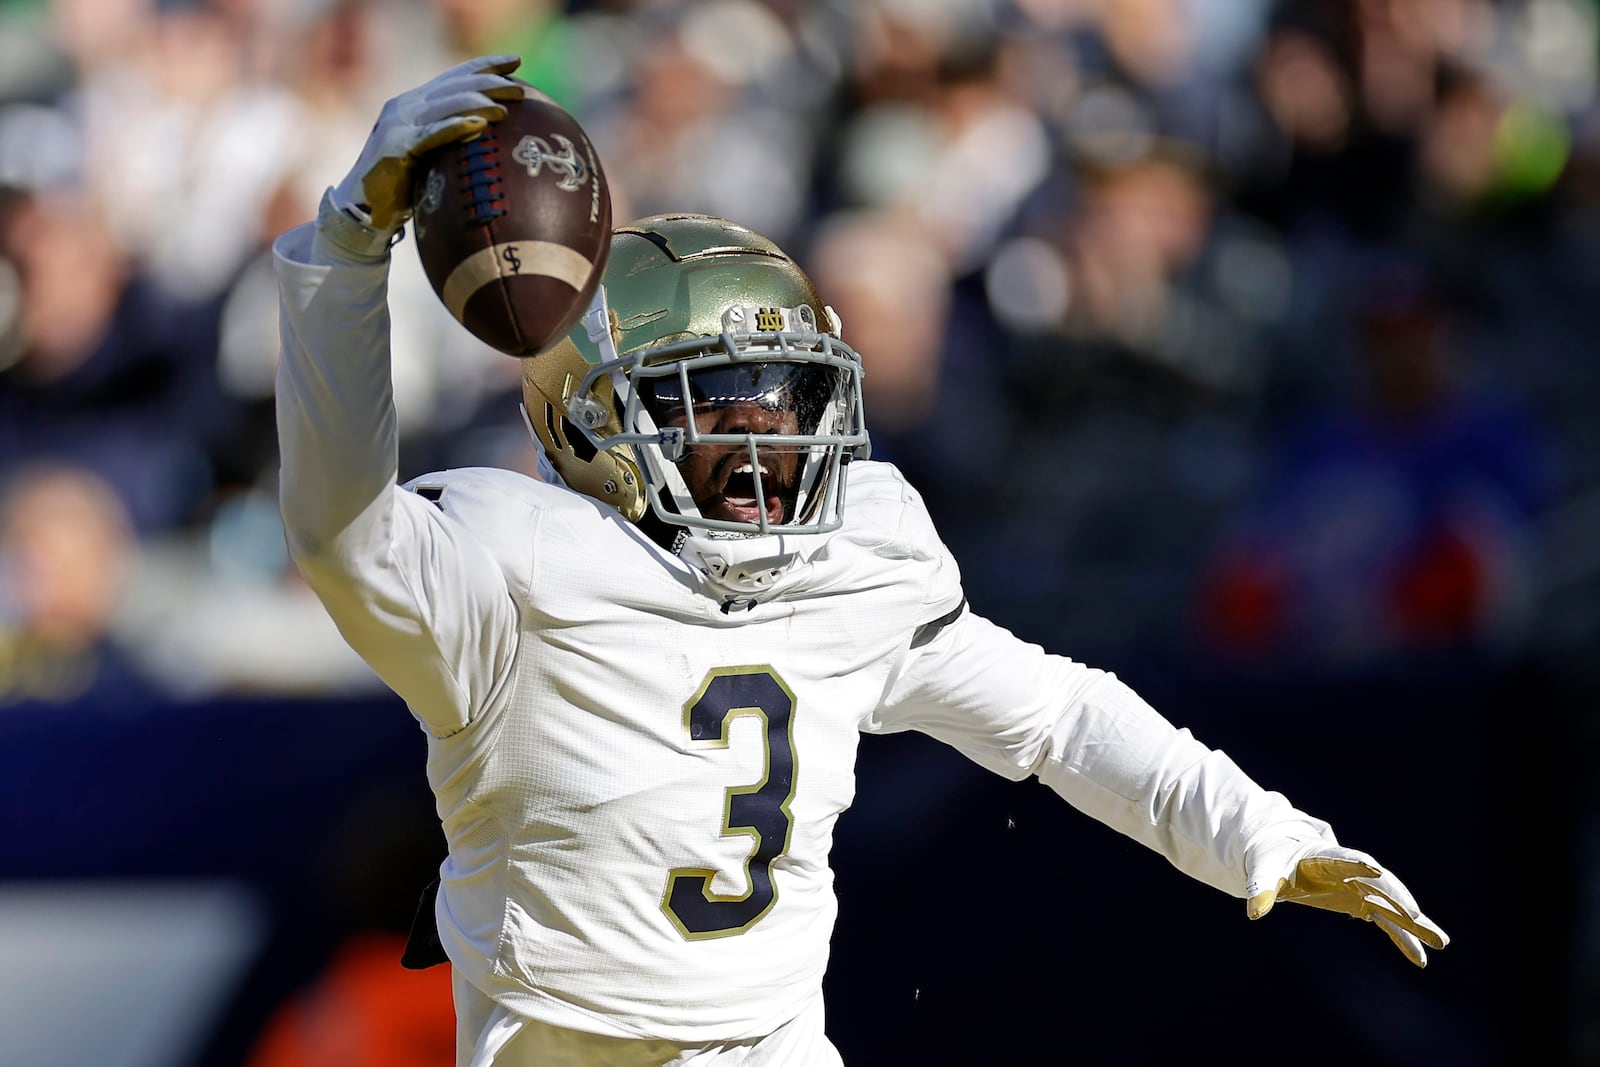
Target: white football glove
{"points": [[455, 106], [1341, 879]]}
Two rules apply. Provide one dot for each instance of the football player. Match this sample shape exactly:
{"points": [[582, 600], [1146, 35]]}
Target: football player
{"points": [[643, 676]]}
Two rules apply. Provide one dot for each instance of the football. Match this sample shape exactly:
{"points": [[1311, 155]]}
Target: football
{"points": [[513, 227]]}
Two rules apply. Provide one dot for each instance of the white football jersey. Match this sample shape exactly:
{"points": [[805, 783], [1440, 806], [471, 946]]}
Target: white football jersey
{"points": [[653, 782], [639, 788]]}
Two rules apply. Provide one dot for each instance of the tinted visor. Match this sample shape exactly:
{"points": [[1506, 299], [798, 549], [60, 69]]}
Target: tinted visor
{"points": [[805, 390]]}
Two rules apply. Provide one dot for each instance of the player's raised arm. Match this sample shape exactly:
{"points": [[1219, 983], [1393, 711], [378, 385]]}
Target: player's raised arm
{"points": [[411, 591]]}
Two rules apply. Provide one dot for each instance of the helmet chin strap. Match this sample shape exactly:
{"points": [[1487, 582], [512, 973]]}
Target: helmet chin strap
{"points": [[597, 324], [746, 568]]}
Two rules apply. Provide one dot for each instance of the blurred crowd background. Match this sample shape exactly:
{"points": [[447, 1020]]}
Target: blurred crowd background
{"points": [[1246, 347]]}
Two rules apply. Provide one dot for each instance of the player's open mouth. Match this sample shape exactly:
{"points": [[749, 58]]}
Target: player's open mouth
{"points": [[739, 493]]}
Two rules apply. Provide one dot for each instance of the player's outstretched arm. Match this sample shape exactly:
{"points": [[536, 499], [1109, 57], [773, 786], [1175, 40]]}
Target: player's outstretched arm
{"points": [[1341, 879], [453, 106], [1013, 708]]}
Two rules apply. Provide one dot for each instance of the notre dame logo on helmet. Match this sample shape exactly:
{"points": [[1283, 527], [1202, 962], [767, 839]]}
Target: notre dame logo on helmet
{"points": [[769, 320]]}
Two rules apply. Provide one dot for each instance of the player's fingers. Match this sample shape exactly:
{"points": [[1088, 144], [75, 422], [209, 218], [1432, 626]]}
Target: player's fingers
{"points": [[458, 105], [1405, 942], [458, 128], [505, 91], [462, 99], [497, 63], [1430, 932], [490, 85], [1375, 896], [1261, 903], [1414, 923], [1385, 896], [501, 64]]}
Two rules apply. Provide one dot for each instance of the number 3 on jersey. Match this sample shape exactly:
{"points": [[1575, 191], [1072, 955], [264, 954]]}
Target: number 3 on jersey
{"points": [[759, 811]]}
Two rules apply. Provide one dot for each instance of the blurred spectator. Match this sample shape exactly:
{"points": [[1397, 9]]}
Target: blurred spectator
{"points": [[1173, 57], [935, 384], [941, 134], [66, 546], [1319, 161], [220, 612], [890, 283], [1150, 277], [703, 121], [182, 152], [102, 367], [1485, 150], [1397, 529]]}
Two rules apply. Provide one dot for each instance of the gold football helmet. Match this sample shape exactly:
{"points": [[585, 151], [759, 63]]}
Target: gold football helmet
{"points": [[707, 382]]}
